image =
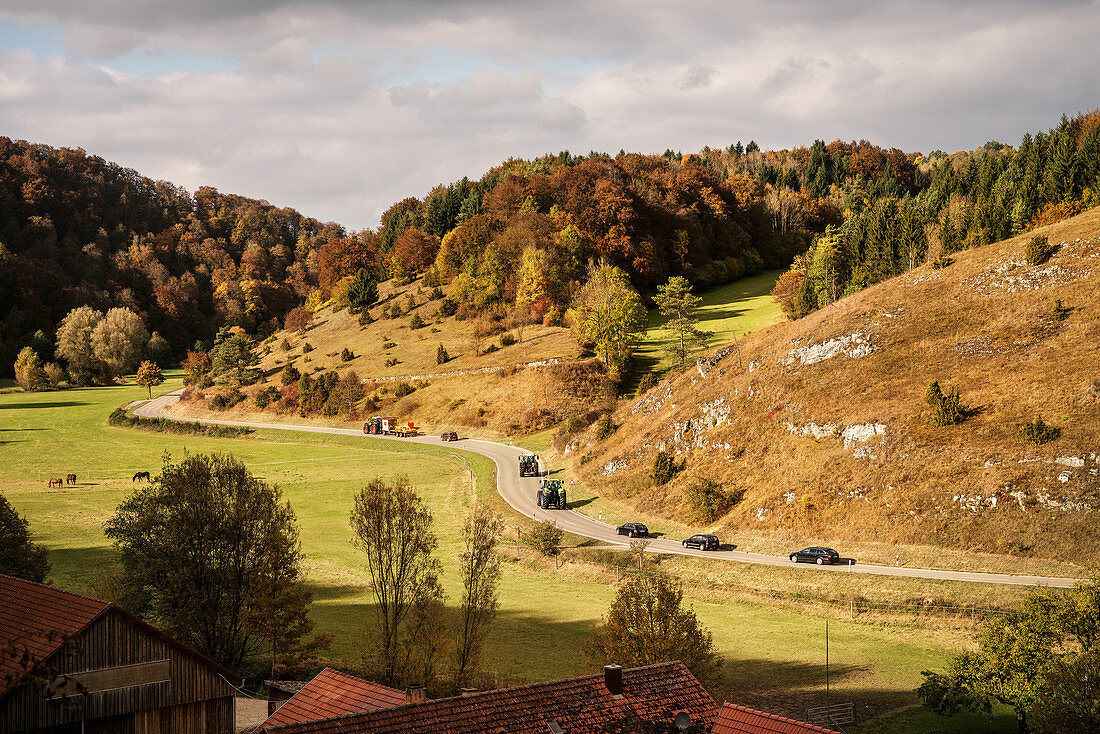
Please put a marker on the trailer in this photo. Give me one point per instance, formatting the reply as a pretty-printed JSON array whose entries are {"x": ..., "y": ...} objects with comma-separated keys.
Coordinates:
[{"x": 384, "y": 425}]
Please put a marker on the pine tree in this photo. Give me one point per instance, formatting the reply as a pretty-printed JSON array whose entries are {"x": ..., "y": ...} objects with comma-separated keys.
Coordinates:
[
  {"x": 362, "y": 292},
  {"x": 675, "y": 299}
]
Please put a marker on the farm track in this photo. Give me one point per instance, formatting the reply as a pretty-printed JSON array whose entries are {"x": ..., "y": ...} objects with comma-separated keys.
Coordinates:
[{"x": 519, "y": 493}]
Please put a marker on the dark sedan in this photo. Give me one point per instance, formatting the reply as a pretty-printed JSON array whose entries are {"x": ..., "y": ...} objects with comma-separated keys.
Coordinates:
[
  {"x": 820, "y": 556},
  {"x": 701, "y": 542},
  {"x": 633, "y": 529},
  {"x": 449, "y": 436}
]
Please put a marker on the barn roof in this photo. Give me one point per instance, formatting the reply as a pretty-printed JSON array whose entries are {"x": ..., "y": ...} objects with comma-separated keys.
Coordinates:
[
  {"x": 36, "y": 620},
  {"x": 579, "y": 705},
  {"x": 332, "y": 693},
  {"x": 734, "y": 719}
]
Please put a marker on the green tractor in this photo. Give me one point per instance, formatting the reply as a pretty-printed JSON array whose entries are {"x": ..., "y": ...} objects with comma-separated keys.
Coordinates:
[
  {"x": 551, "y": 495},
  {"x": 529, "y": 465}
]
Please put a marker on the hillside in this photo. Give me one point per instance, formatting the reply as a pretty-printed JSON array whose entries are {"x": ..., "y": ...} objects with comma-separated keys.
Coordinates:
[{"x": 819, "y": 427}]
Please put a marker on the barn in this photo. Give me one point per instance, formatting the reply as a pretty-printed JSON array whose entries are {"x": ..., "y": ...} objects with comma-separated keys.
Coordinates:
[{"x": 73, "y": 664}]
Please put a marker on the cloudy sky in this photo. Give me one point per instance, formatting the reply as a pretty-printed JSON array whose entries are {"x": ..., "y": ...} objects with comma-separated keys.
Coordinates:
[{"x": 340, "y": 107}]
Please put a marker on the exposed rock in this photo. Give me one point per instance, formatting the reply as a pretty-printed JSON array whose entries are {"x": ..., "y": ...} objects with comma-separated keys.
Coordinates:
[{"x": 854, "y": 345}]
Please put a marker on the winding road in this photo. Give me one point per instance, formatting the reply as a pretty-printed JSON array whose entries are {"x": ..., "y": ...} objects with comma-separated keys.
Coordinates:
[{"x": 520, "y": 494}]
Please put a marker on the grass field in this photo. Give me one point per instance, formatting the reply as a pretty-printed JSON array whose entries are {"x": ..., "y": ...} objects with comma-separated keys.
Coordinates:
[
  {"x": 728, "y": 311},
  {"x": 774, "y": 652}
]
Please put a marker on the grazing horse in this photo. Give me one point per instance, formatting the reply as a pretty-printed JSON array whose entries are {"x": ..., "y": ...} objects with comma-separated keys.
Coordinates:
[
  {"x": 70, "y": 479},
  {"x": 141, "y": 475},
  {"x": 58, "y": 481}
]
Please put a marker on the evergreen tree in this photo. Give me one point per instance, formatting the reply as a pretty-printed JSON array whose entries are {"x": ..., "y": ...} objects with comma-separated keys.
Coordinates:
[
  {"x": 363, "y": 291},
  {"x": 675, "y": 300}
]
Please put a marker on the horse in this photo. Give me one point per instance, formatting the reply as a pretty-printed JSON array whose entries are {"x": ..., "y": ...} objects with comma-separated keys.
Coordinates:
[
  {"x": 58, "y": 481},
  {"x": 70, "y": 479},
  {"x": 141, "y": 475}
]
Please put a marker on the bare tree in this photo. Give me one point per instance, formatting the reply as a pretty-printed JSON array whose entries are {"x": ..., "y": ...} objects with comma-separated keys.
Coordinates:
[
  {"x": 394, "y": 530},
  {"x": 480, "y": 571}
]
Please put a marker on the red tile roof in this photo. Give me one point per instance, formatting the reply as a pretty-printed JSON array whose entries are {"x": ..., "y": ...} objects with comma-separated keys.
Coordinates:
[
  {"x": 734, "y": 719},
  {"x": 332, "y": 693},
  {"x": 36, "y": 620},
  {"x": 579, "y": 705}
]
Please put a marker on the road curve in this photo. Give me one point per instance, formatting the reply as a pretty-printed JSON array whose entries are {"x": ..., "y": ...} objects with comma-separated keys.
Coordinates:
[{"x": 520, "y": 494}]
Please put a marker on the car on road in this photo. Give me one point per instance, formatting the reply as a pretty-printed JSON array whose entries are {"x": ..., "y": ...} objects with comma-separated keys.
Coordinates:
[
  {"x": 701, "y": 542},
  {"x": 449, "y": 436},
  {"x": 633, "y": 529},
  {"x": 820, "y": 556}
]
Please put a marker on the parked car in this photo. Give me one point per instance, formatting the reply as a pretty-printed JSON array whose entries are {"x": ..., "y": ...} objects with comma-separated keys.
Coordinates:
[
  {"x": 820, "y": 556},
  {"x": 449, "y": 436},
  {"x": 702, "y": 542},
  {"x": 633, "y": 529}
]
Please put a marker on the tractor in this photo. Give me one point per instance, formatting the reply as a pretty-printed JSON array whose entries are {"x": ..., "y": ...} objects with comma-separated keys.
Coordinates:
[
  {"x": 551, "y": 495},
  {"x": 529, "y": 465}
]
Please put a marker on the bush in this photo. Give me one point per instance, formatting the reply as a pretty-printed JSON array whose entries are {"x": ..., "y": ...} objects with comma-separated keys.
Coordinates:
[
  {"x": 436, "y": 293},
  {"x": 388, "y": 345},
  {"x": 490, "y": 349},
  {"x": 1038, "y": 250},
  {"x": 664, "y": 467},
  {"x": 1060, "y": 312},
  {"x": 709, "y": 501},
  {"x": 395, "y": 311},
  {"x": 455, "y": 404},
  {"x": 290, "y": 374},
  {"x": 365, "y": 318},
  {"x": 346, "y": 355},
  {"x": 307, "y": 348},
  {"x": 942, "y": 262},
  {"x": 285, "y": 345},
  {"x": 507, "y": 339},
  {"x": 267, "y": 396},
  {"x": 416, "y": 322},
  {"x": 572, "y": 424},
  {"x": 948, "y": 407},
  {"x": 604, "y": 428},
  {"x": 403, "y": 389},
  {"x": 392, "y": 362},
  {"x": 648, "y": 382},
  {"x": 441, "y": 356},
  {"x": 447, "y": 307},
  {"x": 165, "y": 425},
  {"x": 545, "y": 538},
  {"x": 297, "y": 319},
  {"x": 1037, "y": 432}
]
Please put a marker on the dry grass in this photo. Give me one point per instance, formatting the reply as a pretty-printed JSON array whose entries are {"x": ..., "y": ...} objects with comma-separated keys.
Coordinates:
[{"x": 980, "y": 325}]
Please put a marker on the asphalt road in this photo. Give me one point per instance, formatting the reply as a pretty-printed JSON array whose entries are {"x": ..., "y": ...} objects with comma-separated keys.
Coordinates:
[{"x": 520, "y": 494}]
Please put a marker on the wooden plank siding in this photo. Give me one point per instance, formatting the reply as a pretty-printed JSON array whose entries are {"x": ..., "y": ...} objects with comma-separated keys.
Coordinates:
[{"x": 191, "y": 697}]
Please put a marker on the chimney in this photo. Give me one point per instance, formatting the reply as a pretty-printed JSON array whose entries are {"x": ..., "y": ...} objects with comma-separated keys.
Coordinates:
[
  {"x": 467, "y": 691},
  {"x": 613, "y": 680},
  {"x": 416, "y": 694}
]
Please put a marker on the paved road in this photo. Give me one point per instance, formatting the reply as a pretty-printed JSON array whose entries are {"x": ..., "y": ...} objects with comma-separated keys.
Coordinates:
[{"x": 520, "y": 494}]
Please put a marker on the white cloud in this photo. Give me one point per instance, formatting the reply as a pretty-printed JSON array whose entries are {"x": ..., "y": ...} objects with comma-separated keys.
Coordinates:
[{"x": 341, "y": 108}]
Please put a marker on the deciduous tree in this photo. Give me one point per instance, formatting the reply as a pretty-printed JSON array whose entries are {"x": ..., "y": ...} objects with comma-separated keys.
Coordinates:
[
  {"x": 118, "y": 341},
  {"x": 149, "y": 376},
  {"x": 74, "y": 344},
  {"x": 647, "y": 623},
  {"x": 480, "y": 573},
  {"x": 393, "y": 529},
  {"x": 19, "y": 555},
  {"x": 610, "y": 315},
  {"x": 204, "y": 547},
  {"x": 29, "y": 372}
]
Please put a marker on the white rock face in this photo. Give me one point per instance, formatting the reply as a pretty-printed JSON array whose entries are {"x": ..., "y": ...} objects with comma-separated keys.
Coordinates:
[
  {"x": 855, "y": 345},
  {"x": 1073, "y": 461},
  {"x": 851, "y": 435}
]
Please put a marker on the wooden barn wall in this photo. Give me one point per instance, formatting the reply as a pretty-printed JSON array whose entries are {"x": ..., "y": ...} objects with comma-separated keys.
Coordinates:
[{"x": 194, "y": 699}]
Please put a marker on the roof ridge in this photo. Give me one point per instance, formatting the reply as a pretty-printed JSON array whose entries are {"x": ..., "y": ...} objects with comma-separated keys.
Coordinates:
[
  {"x": 48, "y": 587},
  {"x": 776, "y": 717}
]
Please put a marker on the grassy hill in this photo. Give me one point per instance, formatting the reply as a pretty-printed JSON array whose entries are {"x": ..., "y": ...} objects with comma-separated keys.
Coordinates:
[{"x": 818, "y": 431}]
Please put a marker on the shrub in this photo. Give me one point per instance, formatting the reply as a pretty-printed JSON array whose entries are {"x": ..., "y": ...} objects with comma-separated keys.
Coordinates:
[
  {"x": 545, "y": 538},
  {"x": 1037, "y": 432},
  {"x": 604, "y": 428},
  {"x": 490, "y": 349},
  {"x": 346, "y": 355},
  {"x": 1060, "y": 312},
  {"x": 297, "y": 319},
  {"x": 1038, "y": 250},
  {"x": 441, "y": 356},
  {"x": 290, "y": 374},
  {"x": 223, "y": 401},
  {"x": 403, "y": 389},
  {"x": 942, "y": 262},
  {"x": 267, "y": 396},
  {"x": 392, "y": 362},
  {"x": 307, "y": 348},
  {"x": 455, "y": 404},
  {"x": 447, "y": 307},
  {"x": 388, "y": 345},
  {"x": 507, "y": 339},
  {"x": 948, "y": 407},
  {"x": 395, "y": 311},
  {"x": 709, "y": 501},
  {"x": 285, "y": 345},
  {"x": 648, "y": 382},
  {"x": 436, "y": 293},
  {"x": 572, "y": 424},
  {"x": 664, "y": 467},
  {"x": 416, "y": 322},
  {"x": 365, "y": 318},
  {"x": 55, "y": 373}
]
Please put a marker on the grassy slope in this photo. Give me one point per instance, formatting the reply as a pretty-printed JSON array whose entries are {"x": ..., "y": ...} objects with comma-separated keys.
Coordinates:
[
  {"x": 998, "y": 348},
  {"x": 729, "y": 311},
  {"x": 773, "y": 651}
]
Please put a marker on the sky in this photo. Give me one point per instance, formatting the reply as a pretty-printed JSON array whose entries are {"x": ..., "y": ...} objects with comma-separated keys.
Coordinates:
[{"x": 339, "y": 108}]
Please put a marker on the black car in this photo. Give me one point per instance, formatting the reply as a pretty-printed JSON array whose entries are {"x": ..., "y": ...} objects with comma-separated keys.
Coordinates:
[
  {"x": 633, "y": 529},
  {"x": 702, "y": 542},
  {"x": 449, "y": 436},
  {"x": 820, "y": 556}
]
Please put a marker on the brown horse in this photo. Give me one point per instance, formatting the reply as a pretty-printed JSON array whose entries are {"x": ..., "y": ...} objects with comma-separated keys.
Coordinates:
[
  {"x": 141, "y": 475},
  {"x": 58, "y": 481},
  {"x": 70, "y": 479}
]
